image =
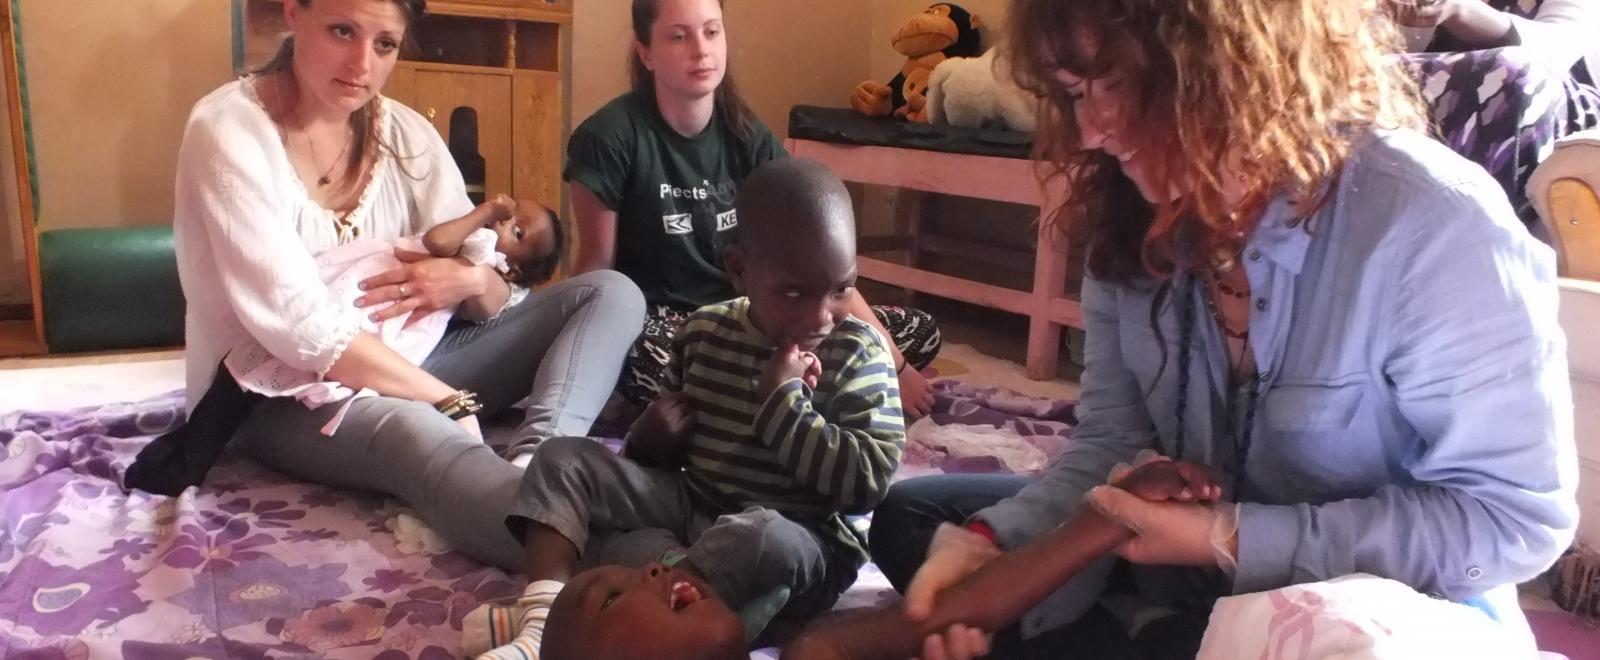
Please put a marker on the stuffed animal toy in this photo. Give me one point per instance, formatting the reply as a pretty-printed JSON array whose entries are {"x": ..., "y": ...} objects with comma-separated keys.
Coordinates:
[
  {"x": 941, "y": 31},
  {"x": 979, "y": 92}
]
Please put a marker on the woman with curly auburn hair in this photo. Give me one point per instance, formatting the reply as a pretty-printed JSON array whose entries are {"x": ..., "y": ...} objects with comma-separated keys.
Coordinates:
[{"x": 1292, "y": 285}]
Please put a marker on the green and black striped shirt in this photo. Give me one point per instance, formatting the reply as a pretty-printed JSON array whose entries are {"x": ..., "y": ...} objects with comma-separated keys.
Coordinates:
[{"x": 810, "y": 455}]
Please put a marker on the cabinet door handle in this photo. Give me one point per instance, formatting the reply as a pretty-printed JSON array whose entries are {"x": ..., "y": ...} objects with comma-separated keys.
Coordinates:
[{"x": 432, "y": 112}]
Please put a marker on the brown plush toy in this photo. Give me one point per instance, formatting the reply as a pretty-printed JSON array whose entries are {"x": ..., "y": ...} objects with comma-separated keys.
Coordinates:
[{"x": 941, "y": 31}]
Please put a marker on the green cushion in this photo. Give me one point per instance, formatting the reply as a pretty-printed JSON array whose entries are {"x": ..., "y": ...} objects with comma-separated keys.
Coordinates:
[{"x": 107, "y": 289}]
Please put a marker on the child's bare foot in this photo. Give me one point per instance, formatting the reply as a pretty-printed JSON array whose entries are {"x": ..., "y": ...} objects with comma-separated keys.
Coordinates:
[{"x": 1163, "y": 480}]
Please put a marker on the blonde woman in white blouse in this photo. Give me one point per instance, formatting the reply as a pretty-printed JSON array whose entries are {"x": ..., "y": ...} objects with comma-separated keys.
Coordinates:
[{"x": 305, "y": 156}]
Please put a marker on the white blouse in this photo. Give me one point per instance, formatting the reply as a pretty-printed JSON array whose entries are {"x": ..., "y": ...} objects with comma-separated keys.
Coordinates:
[{"x": 246, "y": 230}]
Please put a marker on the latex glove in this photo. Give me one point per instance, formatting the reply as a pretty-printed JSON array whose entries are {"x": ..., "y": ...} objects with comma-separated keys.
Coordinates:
[
  {"x": 1203, "y": 484},
  {"x": 1172, "y": 533},
  {"x": 953, "y": 554},
  {"x": 1143, "y": 458},
  {"x": 959, "y": 642}
]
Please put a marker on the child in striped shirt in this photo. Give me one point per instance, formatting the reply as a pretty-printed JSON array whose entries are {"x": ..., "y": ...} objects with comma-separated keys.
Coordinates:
[{"x": 781, "y": 414}]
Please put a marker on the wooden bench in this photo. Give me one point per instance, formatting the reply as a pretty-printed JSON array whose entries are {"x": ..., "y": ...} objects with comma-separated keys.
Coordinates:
[{"x": 983, "y": 177}]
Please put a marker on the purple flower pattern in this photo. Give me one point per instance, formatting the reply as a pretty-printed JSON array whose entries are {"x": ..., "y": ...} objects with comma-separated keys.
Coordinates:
[
  {"x": 263, "y": 514},
  {"x": 66, "y": 600},
  {"x": 260, "y": 589},
  {"x": 246, "y": 567},
  {"x": 252, "y": 568},
  {"x": 387, "y": 580},
  {"x": 195, "y": 548}
]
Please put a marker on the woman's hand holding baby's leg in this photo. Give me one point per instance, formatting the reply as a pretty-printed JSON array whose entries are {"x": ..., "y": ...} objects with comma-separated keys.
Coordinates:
[{"x": 1176, "y": 513}]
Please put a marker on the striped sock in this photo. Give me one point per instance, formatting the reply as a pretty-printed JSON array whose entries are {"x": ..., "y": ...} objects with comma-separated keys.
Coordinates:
[
  {"x": 488, "y": 626},
  {"x": 510, "y": 632}
]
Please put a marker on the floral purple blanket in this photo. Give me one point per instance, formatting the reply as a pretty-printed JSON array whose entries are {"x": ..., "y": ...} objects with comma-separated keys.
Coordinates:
[
  {"x": 254, "y": 565},
  {"x": 251, "y": 566}
]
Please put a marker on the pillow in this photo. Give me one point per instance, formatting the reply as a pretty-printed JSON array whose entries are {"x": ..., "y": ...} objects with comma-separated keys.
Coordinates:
[{"x": 1356, "y": 617}]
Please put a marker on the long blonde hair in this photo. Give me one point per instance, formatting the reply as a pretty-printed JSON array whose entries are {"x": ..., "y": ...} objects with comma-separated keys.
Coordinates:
[{"x": 1269, "y": 93}]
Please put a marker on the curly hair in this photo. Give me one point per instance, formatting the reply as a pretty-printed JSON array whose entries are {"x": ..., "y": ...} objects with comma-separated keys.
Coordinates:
[{"x": 1240, "y": 99}]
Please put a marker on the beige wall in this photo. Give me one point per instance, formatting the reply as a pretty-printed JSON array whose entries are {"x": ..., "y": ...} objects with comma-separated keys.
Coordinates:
[
  {"x": 111, "y": 83},
  {"x": 600, "y": 39},
  {"x": 779, "y": 55}
]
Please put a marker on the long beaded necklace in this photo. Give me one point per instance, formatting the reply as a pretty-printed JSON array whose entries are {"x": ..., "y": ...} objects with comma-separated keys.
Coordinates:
[
  {"x": 1241, "y": 437},
  {"x": 1223, "y": 288}
]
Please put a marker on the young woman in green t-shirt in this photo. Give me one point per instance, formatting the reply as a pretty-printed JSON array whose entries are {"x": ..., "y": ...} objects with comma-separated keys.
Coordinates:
[{"x": 653, "y": 176}]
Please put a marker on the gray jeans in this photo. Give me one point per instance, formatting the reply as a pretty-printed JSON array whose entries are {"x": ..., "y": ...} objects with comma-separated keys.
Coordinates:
[
  {"x": 562, "y": 348},
  {"x": 631, "y": 515}
]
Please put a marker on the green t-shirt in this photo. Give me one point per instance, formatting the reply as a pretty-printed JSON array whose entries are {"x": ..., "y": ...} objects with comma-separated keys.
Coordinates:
[{"x": 673, "y": 195}]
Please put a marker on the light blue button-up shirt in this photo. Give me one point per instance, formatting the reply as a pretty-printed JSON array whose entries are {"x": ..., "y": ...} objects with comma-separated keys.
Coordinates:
[{"x": 1415, "y": 416}]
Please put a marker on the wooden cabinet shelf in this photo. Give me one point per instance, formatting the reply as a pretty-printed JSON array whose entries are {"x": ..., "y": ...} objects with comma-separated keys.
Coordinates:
[
  {"x": 486, "y": 73},
  {"x": 20, "y": 337}
]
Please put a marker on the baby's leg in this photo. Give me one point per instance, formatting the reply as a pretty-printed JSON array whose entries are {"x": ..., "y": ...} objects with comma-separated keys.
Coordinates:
[
  {"x": 635, "y": 549},
  {"x": 763, "y": 563},
  {"x": 575, "y": 485}
]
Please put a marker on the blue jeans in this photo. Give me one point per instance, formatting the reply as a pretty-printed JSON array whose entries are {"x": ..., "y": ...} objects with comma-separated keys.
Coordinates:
[{"x": 561, "y": 348}]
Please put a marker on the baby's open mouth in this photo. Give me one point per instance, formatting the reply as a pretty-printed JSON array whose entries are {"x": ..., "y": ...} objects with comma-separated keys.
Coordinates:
[{"x": 684, "y": 594}]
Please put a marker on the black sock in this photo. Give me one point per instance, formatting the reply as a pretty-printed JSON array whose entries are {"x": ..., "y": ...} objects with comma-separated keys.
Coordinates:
[{"x": 181, "y": 458}]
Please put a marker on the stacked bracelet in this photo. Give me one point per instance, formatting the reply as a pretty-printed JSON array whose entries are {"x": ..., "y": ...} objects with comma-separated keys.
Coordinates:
[{"x": 461, "y": 403}]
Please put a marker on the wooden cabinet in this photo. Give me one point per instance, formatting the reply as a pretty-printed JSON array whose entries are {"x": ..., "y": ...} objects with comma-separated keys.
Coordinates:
[
  {"x": 19, "y": 336},
  {"x": 486, "y": 73},
  {"x": 473, "y": 111}
]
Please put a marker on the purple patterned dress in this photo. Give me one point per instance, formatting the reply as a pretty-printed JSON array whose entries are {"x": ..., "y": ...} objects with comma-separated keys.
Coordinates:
[{"x": 1504, "y": 108}]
